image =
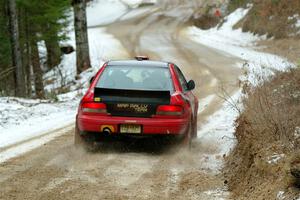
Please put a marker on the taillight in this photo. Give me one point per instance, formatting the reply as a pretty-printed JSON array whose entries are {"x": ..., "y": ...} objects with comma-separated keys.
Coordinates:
[
  {"x": 170, "y": 110},
  {"x": 91, "y": 107}
]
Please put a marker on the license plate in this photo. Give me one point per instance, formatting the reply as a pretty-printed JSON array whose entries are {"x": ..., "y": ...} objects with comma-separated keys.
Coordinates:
[{"x": 130, "y": 128}]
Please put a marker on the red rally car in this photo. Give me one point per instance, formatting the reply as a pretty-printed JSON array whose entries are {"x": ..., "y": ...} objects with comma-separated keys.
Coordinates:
[{"x": 137, "y": 97}]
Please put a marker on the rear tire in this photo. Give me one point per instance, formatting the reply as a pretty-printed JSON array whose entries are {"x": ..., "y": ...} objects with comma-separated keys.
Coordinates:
[
  {"x": 88, "y": 143},
  {"x": 78, "y": 140}
]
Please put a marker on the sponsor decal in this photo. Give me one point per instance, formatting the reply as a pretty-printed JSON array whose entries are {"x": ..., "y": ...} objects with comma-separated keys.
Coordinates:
[{"x": 140, "y": 108}]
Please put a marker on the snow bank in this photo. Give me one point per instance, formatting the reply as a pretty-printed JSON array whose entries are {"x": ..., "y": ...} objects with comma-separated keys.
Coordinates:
[
  {"x": 218, "y": 132},
  {"x": 22, "y": 119}
]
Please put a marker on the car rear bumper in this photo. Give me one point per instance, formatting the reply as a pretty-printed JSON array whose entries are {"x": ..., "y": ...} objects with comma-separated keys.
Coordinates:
[{"x": 150, "y": 126}]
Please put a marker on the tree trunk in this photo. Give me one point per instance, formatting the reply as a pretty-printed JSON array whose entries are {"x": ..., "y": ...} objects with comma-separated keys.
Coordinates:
[
  {"x": 27, "y": 56},
  {"x": 81, "y": 35},
  {"x": 38, "y": 73},
  {"x": 53, "y": 53},
  {"x": 16, "y": 51},
  {"x": 25, "y": 48}
]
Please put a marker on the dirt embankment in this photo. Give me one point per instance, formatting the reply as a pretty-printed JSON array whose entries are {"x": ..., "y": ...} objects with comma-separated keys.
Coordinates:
[
  {"x": 275, "y": 18},
  {"x": 268, "y": 141},
  {"x": 265, "y": 163}
]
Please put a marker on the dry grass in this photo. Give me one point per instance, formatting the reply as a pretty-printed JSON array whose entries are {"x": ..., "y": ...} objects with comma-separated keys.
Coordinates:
[
  {"x": 288, "y": 48},
  {"x": 271, "y": 17},
  {"x": 266, "y": 131},
  {"x": 234, "y": 4},
  {"x": 206, "y": 21}
]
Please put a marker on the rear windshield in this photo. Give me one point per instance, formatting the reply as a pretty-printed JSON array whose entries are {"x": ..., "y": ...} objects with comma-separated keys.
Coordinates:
[{"x": 136, "y": 78}]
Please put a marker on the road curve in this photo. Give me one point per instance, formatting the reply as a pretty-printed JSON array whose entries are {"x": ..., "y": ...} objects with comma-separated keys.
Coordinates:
[
  {"x": 161, "y": 36},
  {"x": 141, "y": 170}
]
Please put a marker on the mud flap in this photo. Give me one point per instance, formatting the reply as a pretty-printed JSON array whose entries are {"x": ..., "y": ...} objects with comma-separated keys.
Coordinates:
[
  {"x": 187, "y": 140},
  {"x": 78, "y": 141}
]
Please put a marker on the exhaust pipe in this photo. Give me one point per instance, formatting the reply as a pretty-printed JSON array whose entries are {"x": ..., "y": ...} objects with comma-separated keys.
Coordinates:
[{"x": 106, "y": 131}]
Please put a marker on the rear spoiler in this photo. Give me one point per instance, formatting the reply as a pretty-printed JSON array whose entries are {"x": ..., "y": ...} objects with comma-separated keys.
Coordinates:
[{"x": 132, "y": 96}]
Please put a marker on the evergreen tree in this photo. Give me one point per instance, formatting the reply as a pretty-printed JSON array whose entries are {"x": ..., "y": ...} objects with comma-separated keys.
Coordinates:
[
  {"x": 37, "y": 21},
  {"x": 44, "y": 21},
  {"x": 48, "y": 19}
]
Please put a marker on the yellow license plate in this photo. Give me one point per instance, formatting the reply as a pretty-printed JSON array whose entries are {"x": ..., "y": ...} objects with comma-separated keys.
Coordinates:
[{"x": 130, "y": 128}]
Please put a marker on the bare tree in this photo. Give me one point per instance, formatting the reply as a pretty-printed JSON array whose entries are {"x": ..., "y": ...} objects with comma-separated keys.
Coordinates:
[
  {"x": 16, "y": 51},
  {"x": 81, "y": 35}
]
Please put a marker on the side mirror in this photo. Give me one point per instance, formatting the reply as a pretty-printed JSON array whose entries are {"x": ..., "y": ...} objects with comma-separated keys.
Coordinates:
[
  {"x": 191, "y": 85},
  {"x": 91, "y": 80}
]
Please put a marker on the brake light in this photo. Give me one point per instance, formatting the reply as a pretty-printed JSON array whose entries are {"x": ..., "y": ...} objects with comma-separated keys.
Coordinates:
[
  {"x": 169, "y": 110},
  {"x": 92, "y": 107}
]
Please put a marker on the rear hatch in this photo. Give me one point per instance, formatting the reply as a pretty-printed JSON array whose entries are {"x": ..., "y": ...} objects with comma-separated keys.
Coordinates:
[{"x": 131, "y": 103}]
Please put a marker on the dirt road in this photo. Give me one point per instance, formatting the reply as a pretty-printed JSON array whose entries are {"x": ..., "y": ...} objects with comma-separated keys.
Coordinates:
[
  {"x": 126, "y": 170},
  {"x": 161, "y": 35}
]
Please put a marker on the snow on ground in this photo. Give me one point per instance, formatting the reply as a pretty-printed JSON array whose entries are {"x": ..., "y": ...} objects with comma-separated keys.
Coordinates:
[
  {"x": 295, "y": 18},
  {"x": 24, "y": 119},
  {"x": 218, "y": 131},
  {"x": 203, "y": 103},
  {"x": 241, "y": 45},
  {"x": 298, "y": 23},
  {"x": 112, "y": 10},
  {"x": 32, "y": 144},
  {"x": 217, "y": 194},
  {"x": 280, "y": 195},
  {"x": 101, "y": 12},
  {"x": 102, "y": 46},
  {"x": 137, "y": 12}
]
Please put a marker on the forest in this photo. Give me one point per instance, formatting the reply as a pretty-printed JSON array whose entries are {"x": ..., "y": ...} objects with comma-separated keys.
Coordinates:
[{"x": 32, "y": 33}]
